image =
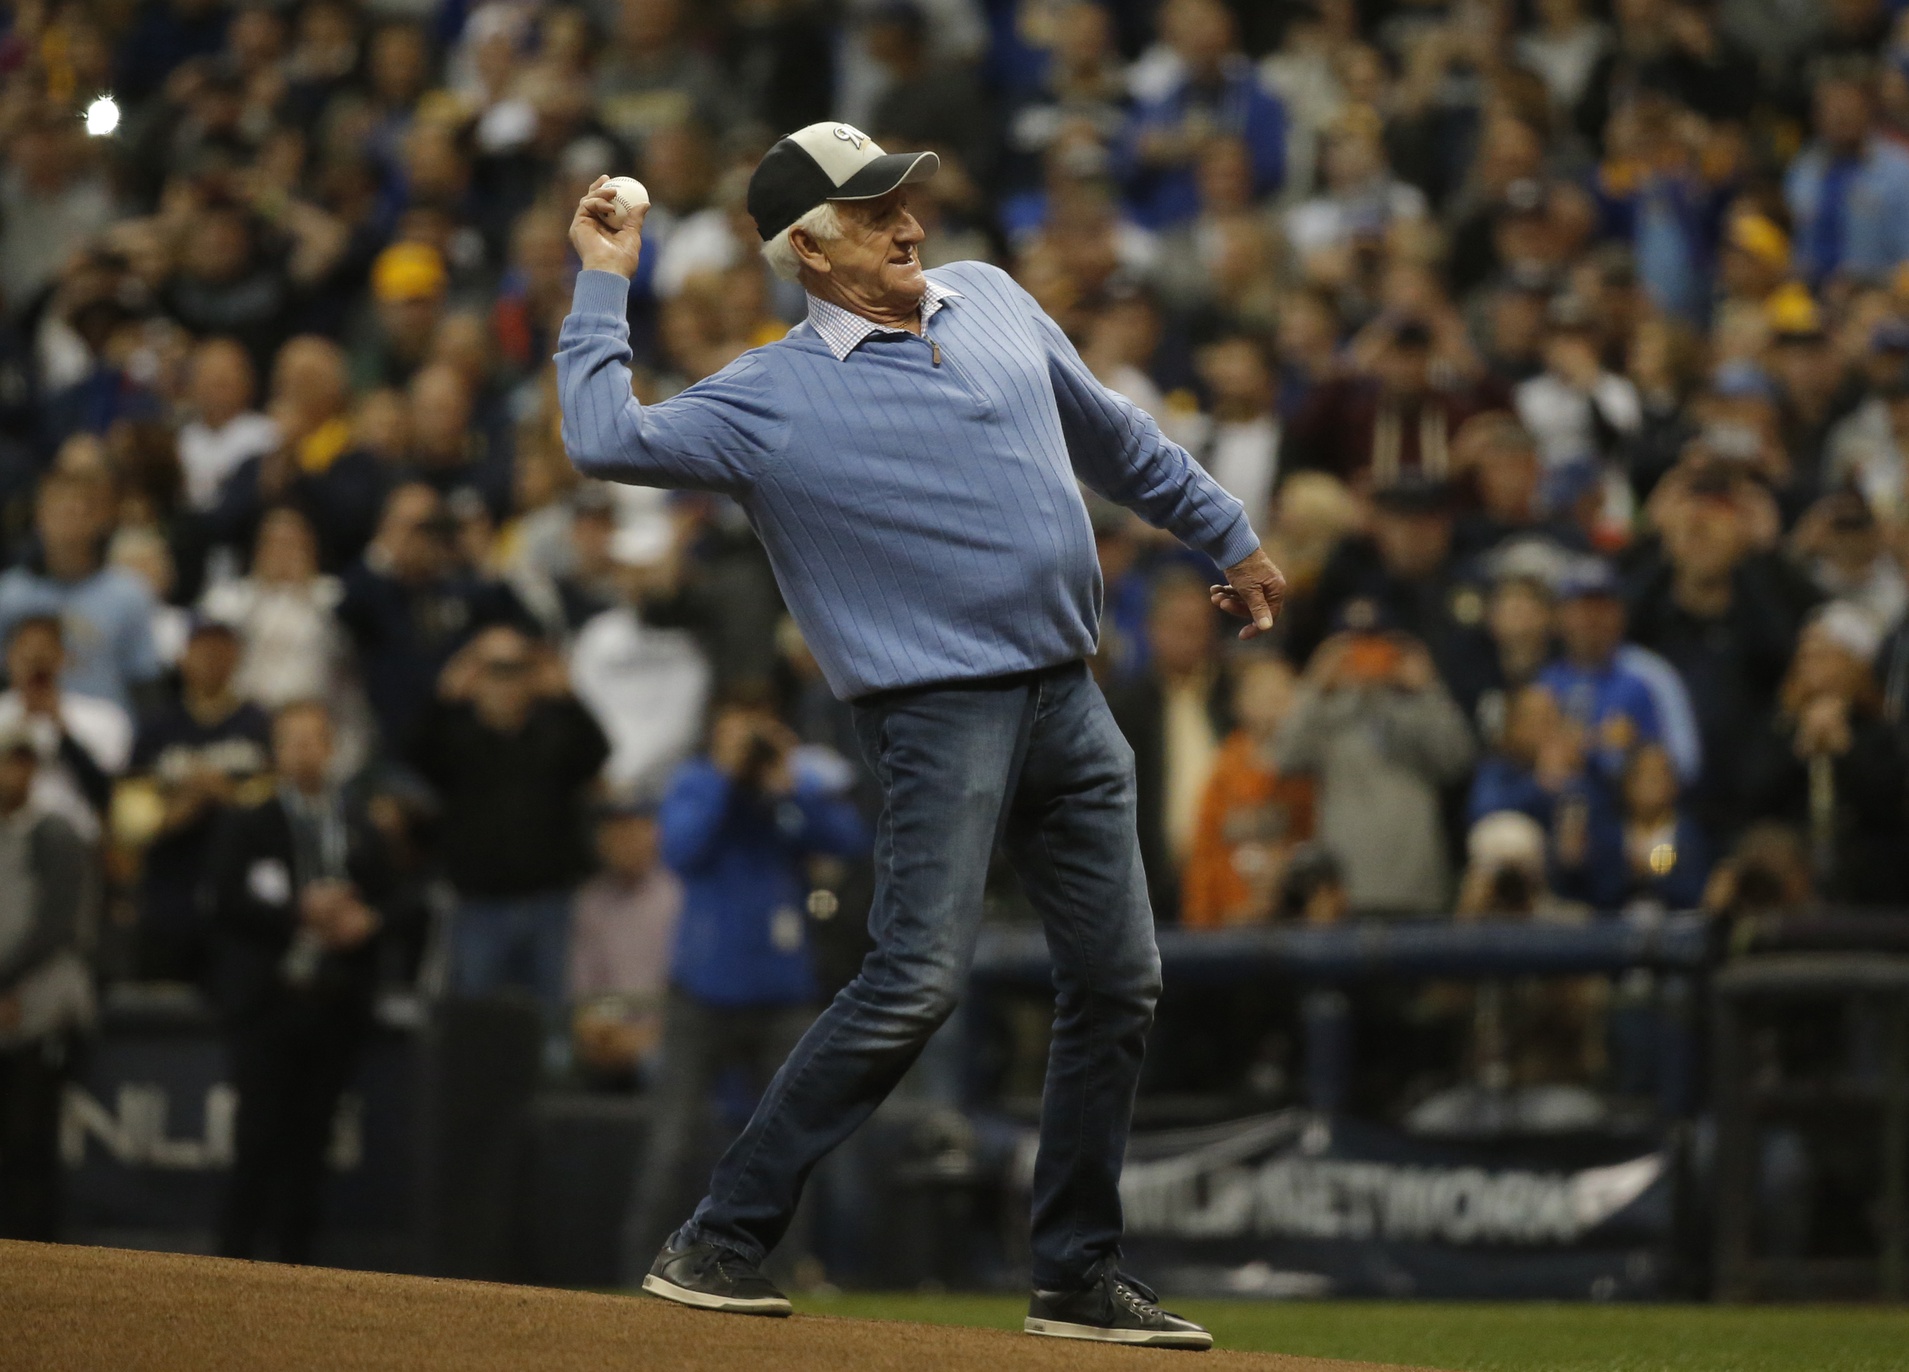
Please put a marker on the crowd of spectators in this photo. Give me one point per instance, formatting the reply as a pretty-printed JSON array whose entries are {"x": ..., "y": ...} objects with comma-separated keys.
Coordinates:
[{"x": 1558, "y": 353}]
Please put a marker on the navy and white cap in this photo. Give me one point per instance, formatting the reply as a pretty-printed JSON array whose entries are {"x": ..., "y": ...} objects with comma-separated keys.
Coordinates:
[{"x": 827, "y": 161}]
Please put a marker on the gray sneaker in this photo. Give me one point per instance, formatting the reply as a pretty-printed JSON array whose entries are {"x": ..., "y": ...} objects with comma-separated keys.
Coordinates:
[
  {"x": 710, "y": 1277},
  {"x": 1115, "y": 1309}
]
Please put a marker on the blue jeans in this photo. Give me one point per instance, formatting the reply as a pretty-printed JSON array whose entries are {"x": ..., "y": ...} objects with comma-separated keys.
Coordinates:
[
  {"x": 513, "y": 941},
  {"x": 1036, "y": 763}
]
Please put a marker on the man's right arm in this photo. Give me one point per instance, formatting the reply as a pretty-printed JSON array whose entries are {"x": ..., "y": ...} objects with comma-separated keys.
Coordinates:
[{"x": 712, "y": 437}]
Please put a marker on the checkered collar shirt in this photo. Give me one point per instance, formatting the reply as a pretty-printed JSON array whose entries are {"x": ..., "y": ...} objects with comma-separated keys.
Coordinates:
[{"x": 844, "y": 332}]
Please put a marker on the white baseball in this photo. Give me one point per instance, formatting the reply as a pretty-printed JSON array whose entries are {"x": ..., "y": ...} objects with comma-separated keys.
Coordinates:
[{"x": 629, "y": 195}]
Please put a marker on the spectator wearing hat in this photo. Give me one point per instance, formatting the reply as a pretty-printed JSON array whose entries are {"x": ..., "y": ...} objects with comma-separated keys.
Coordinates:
[
  {"x": 409, "y": 282},
  {"x": 317, "y": 466},
  {"x": 107, "y": 611},
  {"x": 1839, "y": 543},
  {"x": 621, "y": 927},
  {"x": 1813, "y": 392},
  {"x": 1622, "y": 695},
  {"x": 194, "y": 755},
  {"x": 1381, "y": 738},
  {"x": 296, "y": 885},
  {"x": 1827, "y": 762},
  {"x": 1251, "y": 817},
  {"x": 1175, "y": 715},
  {"x": 1575, "y": 409},
  {"x": 1723, "y": 613},
  {"x": 1404, "y": 567},
  {"x": 1210, "y": 90},
  {"x": 1869, "y": 449},
  {"x": 1511, "y": 644},
  {"x": 1753, "y": 260},
  {"x": 1516, "y": 497},
  {"x": 1848, "y": 190},
  {"x": 47, "y": 885}
]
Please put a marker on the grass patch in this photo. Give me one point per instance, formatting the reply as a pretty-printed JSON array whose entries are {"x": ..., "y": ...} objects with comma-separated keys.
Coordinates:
[{"x": 1508, "y": 1337}]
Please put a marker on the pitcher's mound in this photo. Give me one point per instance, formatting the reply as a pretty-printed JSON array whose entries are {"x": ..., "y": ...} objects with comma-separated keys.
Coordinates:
[{"x": 74, "y": 1309}]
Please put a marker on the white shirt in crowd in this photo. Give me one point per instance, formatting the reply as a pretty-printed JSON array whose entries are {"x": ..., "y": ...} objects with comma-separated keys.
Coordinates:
[
  {"x": 101, "y": 727},
  {"x": 207, "y": 456},
  {"x": 1563, "y": 419},
  {"x": 647, "y": 687}
]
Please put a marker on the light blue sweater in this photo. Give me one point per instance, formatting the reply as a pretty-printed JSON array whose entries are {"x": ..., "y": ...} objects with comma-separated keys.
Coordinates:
[{"x": 921, "y": 515}]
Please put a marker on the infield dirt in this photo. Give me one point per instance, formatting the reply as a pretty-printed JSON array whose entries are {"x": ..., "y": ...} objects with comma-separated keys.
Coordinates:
[{"x": 83, "y": 1309}]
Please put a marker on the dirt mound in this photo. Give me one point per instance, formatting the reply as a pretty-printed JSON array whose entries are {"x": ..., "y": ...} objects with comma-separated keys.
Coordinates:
[{"x": 81, "y": 1309}]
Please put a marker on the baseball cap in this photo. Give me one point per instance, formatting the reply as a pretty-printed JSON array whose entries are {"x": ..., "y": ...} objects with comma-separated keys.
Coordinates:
[
  {"x": 1759, "y": 236},
  {"x": 827, "y": 161},
  {"x": 408, "y": 271},
  {"x": 1587, "y": 577},
  {"x": 1413, "y": 492}
]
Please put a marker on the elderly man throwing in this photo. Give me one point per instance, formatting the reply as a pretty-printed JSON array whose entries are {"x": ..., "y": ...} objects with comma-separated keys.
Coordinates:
[{"x": 909, "y": 457}]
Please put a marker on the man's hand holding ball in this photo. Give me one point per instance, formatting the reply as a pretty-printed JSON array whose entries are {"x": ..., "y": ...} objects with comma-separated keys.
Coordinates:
[{"x": 607, "y": 231}]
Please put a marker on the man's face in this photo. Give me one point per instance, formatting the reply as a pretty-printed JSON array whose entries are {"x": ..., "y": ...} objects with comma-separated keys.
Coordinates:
[
  {"x": 505, "y": 685},
  {"x": 1412, "y": 544},
  {"x": 1591, "y": 626},
  {"x": 208, "y": 662},
  {"x": 1180, "y": 632},
  {"x": 413, "y": 535},
  {"x": 68, "y": 518},
  {"x": 35, "y": 657},
  {"x": 1709, "y": 537},
  {"x": 301, "y": 746},
  {"x": 1842, "y": 114},
  {"x": 875, "y": 258}
]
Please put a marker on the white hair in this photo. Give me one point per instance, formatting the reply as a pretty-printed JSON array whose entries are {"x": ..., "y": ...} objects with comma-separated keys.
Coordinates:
[{"x": 822, "y": 223}]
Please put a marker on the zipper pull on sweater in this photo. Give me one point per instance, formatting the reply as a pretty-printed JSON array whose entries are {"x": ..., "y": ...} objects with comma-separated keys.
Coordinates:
[{"x": 934, "y": 351}]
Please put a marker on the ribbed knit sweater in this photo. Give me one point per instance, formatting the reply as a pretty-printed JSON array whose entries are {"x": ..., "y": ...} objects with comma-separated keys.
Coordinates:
[{"x": 918, "y": 497}]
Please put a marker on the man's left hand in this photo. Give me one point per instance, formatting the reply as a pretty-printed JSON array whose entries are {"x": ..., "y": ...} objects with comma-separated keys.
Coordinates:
[{"x": 1255, "y": 593}]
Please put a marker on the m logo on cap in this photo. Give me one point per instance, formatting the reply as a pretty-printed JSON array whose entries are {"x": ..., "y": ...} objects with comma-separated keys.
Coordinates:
[{"x": 848, "y": 133}]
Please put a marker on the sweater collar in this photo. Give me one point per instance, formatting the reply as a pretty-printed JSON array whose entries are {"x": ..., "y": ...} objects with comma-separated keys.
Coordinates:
[{"x": 844, "y": 331}]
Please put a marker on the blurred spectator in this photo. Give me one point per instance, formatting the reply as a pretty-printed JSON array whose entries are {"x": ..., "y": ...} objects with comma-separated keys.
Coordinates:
[
  {"x": 225, "y": 430},
  {"x": 1251, "y": 817},
  {"x": 197, "y": 753},
  {"x": 295, "y": 884},
  {"x": 1500, "y": 459},
  {"x": 1314, "y": 889},
  {"x": 107, "y": 611},
  {"x": 1575, "y": 409},
  {"x": 446, "y": 454},
  {"x": 652, "y": 78},
  {"x": 1624, "y": 696},
  {"x": 1827, "y": 763},
  {"x": 1175, "y": 715},
  {"x": 1380, "y": 736},
  {"x": 1368, "y": 429},
  {"x": 1402, "y": 568},
  {"x": 1848, "y": 190},
  {"x": 1361, "y": 199},
  {"x": 1497, "y": 661},
  {"x": 1239, "y": 440},
  {"x": 1196, "y": 86},
  {"x": 292, "y": 646},
  {"x": 737, "y": 825},
  {"x": 82, "y": 741},
  {"x": 1842, "y": 547},
  {"x": 512, "y": 755},
  {"x": 1666, "y": 853},
  {"x": 621, "y": 928},
  {"x": 1723, "y": 614},
  {"x": 1506, "y": 873},
  {"x": 47, "y": 886},
  {"x": 407, "y": 609},
  {"x": 646, "y": 684},
  {"x": 51, "y": 200},
  {"x": 408, "y": 286},
  {"x": 928, "y": 103},
  {"x": 316, "y": 466}
]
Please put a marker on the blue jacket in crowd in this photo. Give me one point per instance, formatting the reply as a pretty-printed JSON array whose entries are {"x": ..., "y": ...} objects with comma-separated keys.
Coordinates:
[{"x": 742, "y": 939}]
